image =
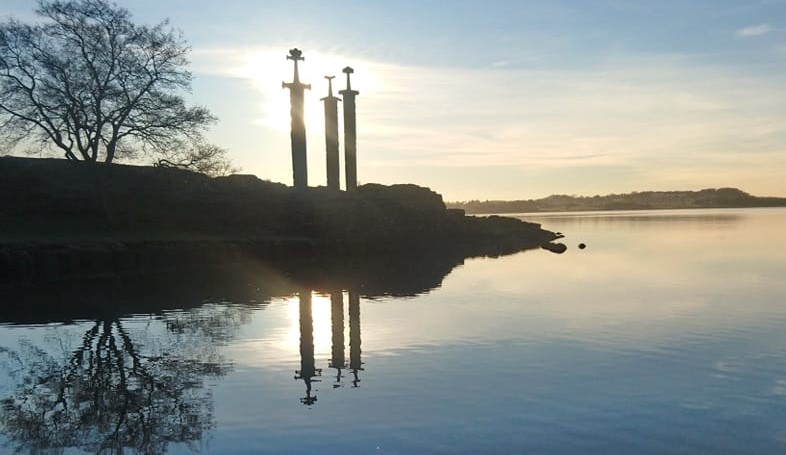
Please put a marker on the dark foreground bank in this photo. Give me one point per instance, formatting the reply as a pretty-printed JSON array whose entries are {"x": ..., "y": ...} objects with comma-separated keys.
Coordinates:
[{"x": 60, "y": 219}]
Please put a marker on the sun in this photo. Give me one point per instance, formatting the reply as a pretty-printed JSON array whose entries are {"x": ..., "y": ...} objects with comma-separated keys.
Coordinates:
[{"x": 267, "y": 69}]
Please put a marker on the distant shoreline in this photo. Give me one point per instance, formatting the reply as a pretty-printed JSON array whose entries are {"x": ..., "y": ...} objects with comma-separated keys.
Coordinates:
[
  {"x": 622, "y": 212},
  {"x": 647, "y": 200}
]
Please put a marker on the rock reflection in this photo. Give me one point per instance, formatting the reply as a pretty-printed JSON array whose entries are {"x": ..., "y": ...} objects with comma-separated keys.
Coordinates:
[{"x": 144, "y": 388}]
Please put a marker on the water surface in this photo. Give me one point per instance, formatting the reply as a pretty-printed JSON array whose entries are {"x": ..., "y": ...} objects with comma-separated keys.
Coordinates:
[{"x": 665, "y": 335}]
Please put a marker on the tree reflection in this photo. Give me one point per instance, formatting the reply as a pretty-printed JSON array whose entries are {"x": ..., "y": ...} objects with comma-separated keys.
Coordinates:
[
  {"x": 109, "y": 395},
  {"x": 112, "y": 389}
]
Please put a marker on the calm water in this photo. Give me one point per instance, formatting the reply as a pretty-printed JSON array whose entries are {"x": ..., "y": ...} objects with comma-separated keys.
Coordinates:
[{"x": 666, "y": 335}]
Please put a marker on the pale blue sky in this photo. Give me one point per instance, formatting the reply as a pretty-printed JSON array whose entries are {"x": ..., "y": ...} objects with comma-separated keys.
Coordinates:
[{"x": 503, "y": 99}]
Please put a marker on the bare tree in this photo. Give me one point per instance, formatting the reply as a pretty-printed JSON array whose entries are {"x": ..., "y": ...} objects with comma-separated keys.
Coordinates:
[
  {"x": 89, "y": 82},
  {"x": 201, "y": 157}
]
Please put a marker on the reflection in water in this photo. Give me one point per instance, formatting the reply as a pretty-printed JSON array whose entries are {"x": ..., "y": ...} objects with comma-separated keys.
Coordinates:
[
  {"x": 337, "y": 359},
  {"x": 639, "y": 218},
  {"x": 698, "y": 308},
  {"x": 308, "y": 370},
  {"x": 109, "y": 395},
  {"x": 355, "y": 363},
  {"x": 248, "y": 281},
  {"x": 143, "y": 389}
]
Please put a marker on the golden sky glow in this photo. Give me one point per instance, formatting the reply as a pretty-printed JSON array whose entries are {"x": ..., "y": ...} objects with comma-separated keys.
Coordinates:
[
  {"x": 620, "y": 127},
  {"x": 514, "y": 100}
]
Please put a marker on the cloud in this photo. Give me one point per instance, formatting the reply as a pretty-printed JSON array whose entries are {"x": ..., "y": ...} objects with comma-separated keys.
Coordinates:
[
  {"x": 655, "y": 115},
  {"x": 754, "y": 30}
]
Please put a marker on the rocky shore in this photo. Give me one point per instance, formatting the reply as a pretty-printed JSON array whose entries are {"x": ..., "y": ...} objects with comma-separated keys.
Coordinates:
[{"x": 60, "y": 220}]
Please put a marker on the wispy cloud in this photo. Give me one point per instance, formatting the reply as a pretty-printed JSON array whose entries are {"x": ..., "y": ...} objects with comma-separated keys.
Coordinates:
[
  {"x": 754, "y": 30},
  {"x": 659, "y": 116}
]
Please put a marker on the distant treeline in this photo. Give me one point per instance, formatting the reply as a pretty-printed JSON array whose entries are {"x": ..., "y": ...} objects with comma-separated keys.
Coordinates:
[{"x": 646, "y": 200}]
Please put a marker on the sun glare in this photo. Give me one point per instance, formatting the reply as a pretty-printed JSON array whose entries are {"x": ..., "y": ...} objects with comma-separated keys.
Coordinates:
[
  {"x": 269, "y": 68},
  {"x": 320, "y": 313}
]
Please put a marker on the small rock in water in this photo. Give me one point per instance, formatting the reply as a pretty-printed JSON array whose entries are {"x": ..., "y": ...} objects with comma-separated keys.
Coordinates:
[
  {"x": 558, "y": 248},
  {"x": 582, "y": 246}
]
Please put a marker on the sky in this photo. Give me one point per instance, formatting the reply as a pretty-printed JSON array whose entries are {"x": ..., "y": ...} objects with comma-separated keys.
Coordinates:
[{"x": 500, "y": 99}]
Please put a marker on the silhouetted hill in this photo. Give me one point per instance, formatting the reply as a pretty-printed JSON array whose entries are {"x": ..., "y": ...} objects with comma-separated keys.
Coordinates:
[
  {"x": 60, "y": 219},
  {"x": 646, "y": 200}
]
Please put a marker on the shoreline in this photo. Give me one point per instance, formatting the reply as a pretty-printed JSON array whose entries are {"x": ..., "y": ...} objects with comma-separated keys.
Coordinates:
[{"x": 60, "y": 219}]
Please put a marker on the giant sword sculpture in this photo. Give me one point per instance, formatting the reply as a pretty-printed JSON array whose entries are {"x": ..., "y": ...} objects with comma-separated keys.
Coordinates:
[
  {"x": 331, "y": 137},
  {"x": 296, "y": 92},
  {"x": 350, "y": 133}
]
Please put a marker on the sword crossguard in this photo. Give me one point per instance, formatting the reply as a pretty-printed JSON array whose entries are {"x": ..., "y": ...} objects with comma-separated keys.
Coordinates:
[
  {"x": 295, "y": 54},
  {"x": 348, "y": 70},
  {"x": 295, "y": 84},
  {"x": 330, "y": 87}
]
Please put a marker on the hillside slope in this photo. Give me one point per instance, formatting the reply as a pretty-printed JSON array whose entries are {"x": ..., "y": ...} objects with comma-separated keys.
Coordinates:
[{"x": 646, "y": 200}]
